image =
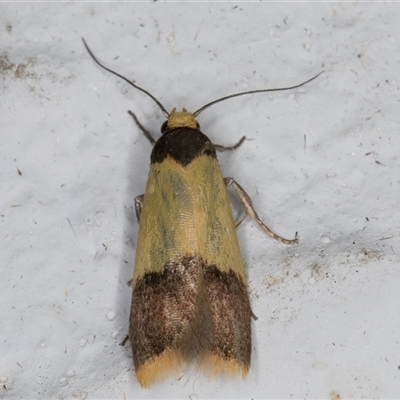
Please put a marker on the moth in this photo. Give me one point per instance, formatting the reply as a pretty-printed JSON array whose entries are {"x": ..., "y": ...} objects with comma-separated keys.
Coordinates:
[{"x": 190, "y": 302}]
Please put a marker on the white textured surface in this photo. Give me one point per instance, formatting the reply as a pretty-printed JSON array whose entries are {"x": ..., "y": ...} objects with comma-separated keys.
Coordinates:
[{"x": 322, "y": 160}]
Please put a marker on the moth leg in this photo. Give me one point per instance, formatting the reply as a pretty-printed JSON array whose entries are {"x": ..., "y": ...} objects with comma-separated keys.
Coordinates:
[
  {"x": 138, "y": 205},
  {"x": 251, "y": 212},
  {"x": 138, "y": 209},
  {"x": 241, "y": 220},
  {"x": 142, "y": 128},
  {"x": 221, "y": 148},
  {"x": 123, "y": 343}
]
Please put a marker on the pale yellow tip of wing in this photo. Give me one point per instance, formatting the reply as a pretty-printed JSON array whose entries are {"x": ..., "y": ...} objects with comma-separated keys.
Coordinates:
[
  {"x": 213, "y": 365},
  {"x": 158, "y": 368}
]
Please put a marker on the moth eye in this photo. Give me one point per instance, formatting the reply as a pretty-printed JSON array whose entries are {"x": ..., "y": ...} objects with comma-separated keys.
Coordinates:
[
  {"x": 198, "y": 125},
  {"x": 164, "y": 127}
]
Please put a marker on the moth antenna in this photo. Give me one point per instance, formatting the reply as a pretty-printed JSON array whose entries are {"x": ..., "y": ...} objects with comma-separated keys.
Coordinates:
[
  {"x": 196, "y": 113},
  {"x": 165, "y": 112}
]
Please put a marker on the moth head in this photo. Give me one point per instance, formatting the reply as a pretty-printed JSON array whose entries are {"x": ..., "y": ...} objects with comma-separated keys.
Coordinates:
[{"x": 180, "y": 119}]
